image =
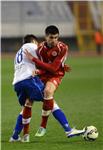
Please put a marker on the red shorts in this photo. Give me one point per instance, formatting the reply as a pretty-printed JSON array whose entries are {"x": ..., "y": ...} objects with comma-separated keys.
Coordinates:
[{"x": 55, "y": 80}]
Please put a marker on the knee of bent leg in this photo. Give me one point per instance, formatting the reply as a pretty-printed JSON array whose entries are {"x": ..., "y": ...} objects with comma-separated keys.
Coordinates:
[
  {"x": 48, "y": 92},
  {"x": 28, "y": 103}
]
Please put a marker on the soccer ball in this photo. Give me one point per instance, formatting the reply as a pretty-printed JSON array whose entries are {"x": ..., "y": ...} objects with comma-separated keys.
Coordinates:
[{"x": 90, "y": 133}]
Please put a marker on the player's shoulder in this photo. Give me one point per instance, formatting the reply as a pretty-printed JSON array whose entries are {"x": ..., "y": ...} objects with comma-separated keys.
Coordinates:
[
  {"x": 62, "y": 45},
  {"x": 41, "y": 46},
  {"x": 30, "y": 45}
]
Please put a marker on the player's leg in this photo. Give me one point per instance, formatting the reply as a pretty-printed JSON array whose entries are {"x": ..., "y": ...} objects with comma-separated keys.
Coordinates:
[
  {"x": 34, "y": 92},
  {"x": 23, "y": 121},
  {"x": 34, "y": 88},
  {"x": 48, "y": 102},
  {"x": 60, "y": 117},
  {"x": 17, "y": 130},
  {"x": 58, "y": 114},
  {"x": 19, "y": 126},
  {"x": 47, "y": 107},
  {"x": 26, "y": 118}
]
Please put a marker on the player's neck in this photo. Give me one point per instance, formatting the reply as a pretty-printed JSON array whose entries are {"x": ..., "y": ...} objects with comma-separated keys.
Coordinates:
[{"x": 49, "y": 45}]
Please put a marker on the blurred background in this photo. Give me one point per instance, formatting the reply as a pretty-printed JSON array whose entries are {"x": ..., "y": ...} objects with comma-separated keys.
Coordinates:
[{"x": 78, "y": 21}]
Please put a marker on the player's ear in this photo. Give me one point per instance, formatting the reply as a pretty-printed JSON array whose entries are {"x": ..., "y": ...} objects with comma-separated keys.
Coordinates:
[
  {"x": 35, "y": 42},
  {"x": 46, "y": 36}
]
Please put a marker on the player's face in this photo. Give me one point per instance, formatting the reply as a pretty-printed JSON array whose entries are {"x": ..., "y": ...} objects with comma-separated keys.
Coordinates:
[{"x": 52, "y": 39}]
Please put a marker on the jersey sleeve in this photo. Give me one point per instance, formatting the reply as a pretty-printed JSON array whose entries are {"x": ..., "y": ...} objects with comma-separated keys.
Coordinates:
[{"x": 55, "y": 65}]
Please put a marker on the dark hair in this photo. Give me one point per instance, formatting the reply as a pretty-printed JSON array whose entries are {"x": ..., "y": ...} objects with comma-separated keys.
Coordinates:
[
  {"x": 29, "y": 38},
  {"x": 51, "y": 30}
]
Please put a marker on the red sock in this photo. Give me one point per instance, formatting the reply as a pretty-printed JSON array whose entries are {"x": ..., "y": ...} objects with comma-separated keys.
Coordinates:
[
  {"x": 26, "y": 119},
  {"x": 47, "y": 107},
  {"x": 44, "y": 121}
]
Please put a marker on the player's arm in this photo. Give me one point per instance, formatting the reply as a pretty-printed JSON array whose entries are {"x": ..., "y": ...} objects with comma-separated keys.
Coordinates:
[{"x": 53, "y": 67}]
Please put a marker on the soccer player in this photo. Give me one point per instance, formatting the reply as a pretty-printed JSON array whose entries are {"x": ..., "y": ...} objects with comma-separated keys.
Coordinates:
[
  {"x": 27, "y": 88},
  {"x": 52, "y": 54}
]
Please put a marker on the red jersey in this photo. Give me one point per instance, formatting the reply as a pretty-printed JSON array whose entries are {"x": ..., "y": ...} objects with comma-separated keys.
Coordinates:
[{"x": 52, "y": 59}]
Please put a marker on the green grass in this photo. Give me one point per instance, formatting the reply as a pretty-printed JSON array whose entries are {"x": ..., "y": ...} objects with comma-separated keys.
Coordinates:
[{"x": 80, "y": 96}]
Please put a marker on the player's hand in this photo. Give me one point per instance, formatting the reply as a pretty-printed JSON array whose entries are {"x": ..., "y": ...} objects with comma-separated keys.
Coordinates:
[
  {"x": 67, "y": 68},
  {"x": 28, "y": 55},
  {"x": 35, "y": 72}
]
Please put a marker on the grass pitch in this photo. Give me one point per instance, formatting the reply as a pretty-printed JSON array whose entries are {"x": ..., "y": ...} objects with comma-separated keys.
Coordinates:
[{"x": 80, "y": 96}]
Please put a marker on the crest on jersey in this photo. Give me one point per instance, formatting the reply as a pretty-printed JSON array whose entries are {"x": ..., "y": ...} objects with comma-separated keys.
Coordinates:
[{"x": 54, "y": 53}]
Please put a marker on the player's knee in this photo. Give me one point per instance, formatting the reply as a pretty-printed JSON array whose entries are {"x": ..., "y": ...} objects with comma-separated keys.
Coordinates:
[
  {"x": 28, "y": 103},
  {"x": 48, "y": 92}
]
